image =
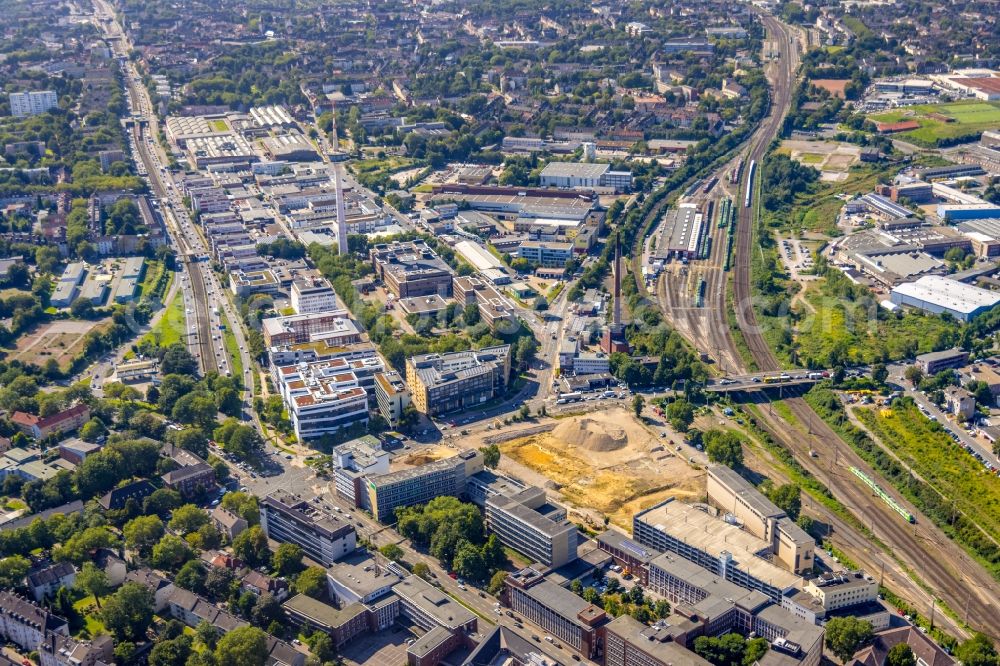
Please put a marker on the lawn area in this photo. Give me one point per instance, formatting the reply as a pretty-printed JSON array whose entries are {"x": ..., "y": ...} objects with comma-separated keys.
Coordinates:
[
  {"x": 923, "y": 446},
  {"x": 969, "y": 118},
  {"x": 232, "y": 348},
  {"x": 219, "y": 125},
  {"x": 812, "y": 158},
  {"x": 172, "y": 326},
  {"x": 153, "y": 270},
  {"x": 13, "y": 504},
  {"x": 816, "y": 210},
  {"x": 88, "y": 610}
]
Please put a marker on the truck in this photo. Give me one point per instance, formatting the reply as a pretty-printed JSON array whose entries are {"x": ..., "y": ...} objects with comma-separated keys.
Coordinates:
[{"x": 571, "y": 397}]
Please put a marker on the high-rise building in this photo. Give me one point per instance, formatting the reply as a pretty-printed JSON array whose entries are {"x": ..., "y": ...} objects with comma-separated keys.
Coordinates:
[
  {"x": 420, "y": 484},
  {"x": 322, "y": 536},
  {"x": 32, "y": 103}
]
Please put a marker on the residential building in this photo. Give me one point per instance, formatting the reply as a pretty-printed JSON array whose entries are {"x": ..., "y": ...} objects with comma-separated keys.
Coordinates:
[
  {"x": 417, "y": 485},
  {"x": 227, "y": 522},
  {"x": 65, "y": 421},
  {"x": 116, "y": 498},
  {"x": 526, "y": 522},
  {"x": 256, "y": 583},
  {"x": 959, "y": 402},
  {"x": 58, "y": 650},
  {"x": 732, "y": 493},
  {"x": 411, "y": 269},
  {"x": 442, "y": 383},
  {"x": 566, "y": 616},
  {"x": 192, "y": 480},
  {"x": 313, "y": 296},
  {"x": 158, "y": 586},
  {"x": 25, "y": 624},
  {"x": 925, "y": 650},
  {"x": 322, "y": 536},
  {"x": 24, "y": 104},
  {"x": 44, "y": 583},
  {"x": 391, "y": 395}
]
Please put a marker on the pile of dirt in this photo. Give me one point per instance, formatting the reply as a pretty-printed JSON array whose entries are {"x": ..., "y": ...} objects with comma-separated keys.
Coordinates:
[{"x": 591, "y": 435}]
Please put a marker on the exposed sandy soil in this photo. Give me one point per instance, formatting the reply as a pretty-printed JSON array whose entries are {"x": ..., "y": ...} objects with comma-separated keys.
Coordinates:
[{"x": 607, "y": 462}]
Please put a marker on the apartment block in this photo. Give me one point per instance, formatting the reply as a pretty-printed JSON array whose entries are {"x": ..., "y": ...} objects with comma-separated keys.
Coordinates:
[
  {"x": 566, "y": 616},
  {"x": 58, "y": 650},
  {"x": 25, "y": 104},
  {"x": 729, "y": 491},
  {"x": 417, "y": 485},
  {"x": 442, "y": 383},
  {"x": 26, "y": 624},
  {"x": 529, "y": 524},
  {"x": 322, "y": 536},
  {"x": 411, "y": 269},
  {"x": 313, "y": 296}
]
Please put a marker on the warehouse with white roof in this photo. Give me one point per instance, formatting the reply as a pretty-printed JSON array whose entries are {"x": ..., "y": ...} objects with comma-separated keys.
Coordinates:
[{"x": 936, "y": 294}]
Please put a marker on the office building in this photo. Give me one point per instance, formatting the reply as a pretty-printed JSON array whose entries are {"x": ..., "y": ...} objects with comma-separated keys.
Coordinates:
[
  {"x": 334, "y": 327},
  {"x": 584, "y": 175},
  {"x": 323, "y": 537},
  {"x": 25, "y": 104},
  {"x": 934, "y": 362},
  {"x": 442, "y": 383},
  {"x": 353, "y": 461},
  {"x": 526, "y": 522},
  {"x": 632, "y": 643},
  {"x": 321, "y": 398},
  {"x": 341, "y": 624},
  {"x": 313, "y": 296},
  {"x": 418, "y": 485},
  {"x": 725, "y": 549},
  {"x": 634, "y": 558},
  {"x": 411, "y": 269},
  {"x": 391, "y": 395},
  {"x": 564, "y": 615},
  {"x": 505, "y": 645},
  {"x": 551, "y": 254},
  {"x": 732, "y": 493}
]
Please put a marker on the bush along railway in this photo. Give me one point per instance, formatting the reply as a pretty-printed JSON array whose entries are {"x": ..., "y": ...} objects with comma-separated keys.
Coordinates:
[{"x": 884, "y": 496}]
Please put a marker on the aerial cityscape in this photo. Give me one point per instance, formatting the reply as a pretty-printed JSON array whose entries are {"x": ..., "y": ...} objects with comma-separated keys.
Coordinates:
[{"x": 478, "y": 333}]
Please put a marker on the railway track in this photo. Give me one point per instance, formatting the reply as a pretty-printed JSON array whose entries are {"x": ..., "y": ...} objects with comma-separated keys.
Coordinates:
[{"x": 942, "y": 565}]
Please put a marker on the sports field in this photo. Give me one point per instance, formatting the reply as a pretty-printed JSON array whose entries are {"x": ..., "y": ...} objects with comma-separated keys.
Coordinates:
[{"x": 944, "y": 121}]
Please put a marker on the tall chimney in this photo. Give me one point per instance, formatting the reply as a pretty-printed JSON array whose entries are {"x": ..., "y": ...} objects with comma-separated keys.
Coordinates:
[
  {"x": 618, "y": 283},
  {"x": 341, "y": 212}
]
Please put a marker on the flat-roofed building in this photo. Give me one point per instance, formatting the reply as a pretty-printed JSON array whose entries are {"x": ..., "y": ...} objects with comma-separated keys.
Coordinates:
[
  {"x": 335, "y": 327},
  {"x": 711, "y": 543},
  {"x": 341, "y": 624},
  {"x": 934, "y": 362},
  {"x": 566, "y": 616},
  {"x": 417, "y": 485},
  {"x": 320, "y": 402},
  {"x": 732, "y": 493},
  {"x": 311, "y": 296},
  {"x": 681, "y": 231},
  {"x": 937, "y": 294},
  {"x": 324, "y": 537},
  {"x": 628, "y": 554},
  {"x": 553, "y": 254},
  {"x": 391, "y": 395},
  {"x": 411, "y": 269},
  {"x": 632, "y": 643},
  {"x": 442, "y": 383},
  {"x": 353, "y": 461},
  {"x": 528, "y": 523}
]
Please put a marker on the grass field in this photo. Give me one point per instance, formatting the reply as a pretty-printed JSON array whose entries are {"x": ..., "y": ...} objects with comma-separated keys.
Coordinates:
[
  {"x": 59, "y": 340},
  {"x": 219, "y": 125},
  {"x": 172, "y": 324},
  {"x": 923, "y": 446},
  {"x": 232, "y": 348},
  {"x": 812, "y": 158},
  {"x": 817, "y": 209},
  {"x": 968, "y": 119}
]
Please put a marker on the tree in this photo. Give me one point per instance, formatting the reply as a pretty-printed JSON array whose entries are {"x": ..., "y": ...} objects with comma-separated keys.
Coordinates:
[
  {"x": 321, "y": 645},
  {"x": 638, "y": 403},
  {"x": 13, "y": 569},
  {"x": 844, "y": 635},
  {"x": 218, "y": 582},
  {"x": 128, "y": 612},
  {"x": 207, "y": 634},
  {"x": 245, "y": 646},
  {"x": 177, "y": 360},
  {"x": 92, "y": 430},
  {"x": 170, "y": 553},
  {"x": 143, "y": 533},
  {"x": 392, "y": 552},
  {"x": 913, "y": 374},
  {"x": 491, "y": 455},
  {"x": 191, "y": 576},
  {"x": 311, "y": 582},
  {"x": 788, "y": 498},
  {"x": 251, "y": 546},
  {"x": 724, "y": 447},
  {"x": 287, "y": 559},
  {"x": 187, "y": 519},
  {"x": 266, "y": 610},
  {"x": 173, "y": 652},
  {"x": 193, "y": 440},
  {"x": 680, "y": 413},
  {"x": 497, "y": 583},
  {"x": 880, "y": 373},
  {"x": 161, "y": 502},
  {"x": 242, "y": 505},
  {"x": 977, "y": 651},
  {"x": 92, "y": 580},
  {"x": 901, "y": 654},
  {"x": 469, "y": 563}
]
